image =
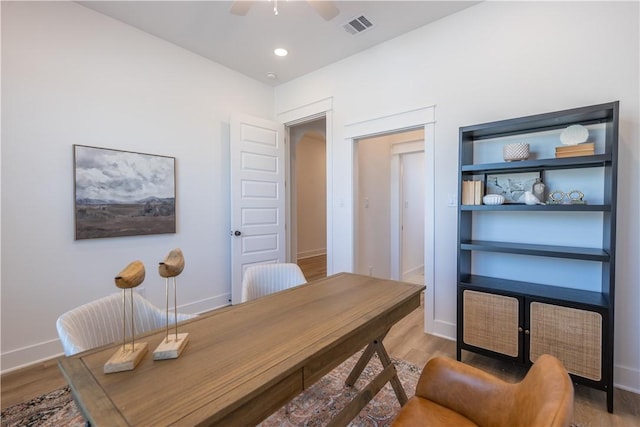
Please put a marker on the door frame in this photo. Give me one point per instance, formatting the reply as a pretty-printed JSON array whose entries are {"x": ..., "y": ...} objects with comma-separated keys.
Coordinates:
[
  {"x": 310, "y": 112},
  {"x": 394, "y": 123},
  {"x": 292, "y": 189}
]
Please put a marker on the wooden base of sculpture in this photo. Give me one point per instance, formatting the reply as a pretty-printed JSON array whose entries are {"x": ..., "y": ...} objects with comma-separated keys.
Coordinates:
[
  {"x": 170, "y": 348},
  {"x": 126, "y": 358}
]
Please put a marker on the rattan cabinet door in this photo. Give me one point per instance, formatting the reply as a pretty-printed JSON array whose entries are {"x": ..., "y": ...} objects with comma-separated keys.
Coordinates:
[
  {"x": 574, "y": 336},
  {"x": 491, "y": 322}
]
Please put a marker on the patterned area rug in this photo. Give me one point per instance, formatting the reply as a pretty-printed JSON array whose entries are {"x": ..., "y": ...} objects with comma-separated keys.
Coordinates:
[
  {"x": 52, "y": 409},
  {"x": 314, "y": 407}
]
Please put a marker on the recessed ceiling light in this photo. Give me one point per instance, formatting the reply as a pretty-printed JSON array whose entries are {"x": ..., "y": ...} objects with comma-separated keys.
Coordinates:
[
  {"x": 272, "y": 76},
  {"x": 281, "y": 52}
]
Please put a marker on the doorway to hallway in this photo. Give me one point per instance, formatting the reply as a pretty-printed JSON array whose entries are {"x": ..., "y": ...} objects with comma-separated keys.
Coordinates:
[
  {"x": 389, "y": 199},
  {"x": 308, "y": 195}
]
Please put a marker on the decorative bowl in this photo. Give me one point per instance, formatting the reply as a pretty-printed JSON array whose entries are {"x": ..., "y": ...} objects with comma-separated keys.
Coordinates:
[
  {"x": 517, "y": 151},
  {"x": 493, "y": 199}
]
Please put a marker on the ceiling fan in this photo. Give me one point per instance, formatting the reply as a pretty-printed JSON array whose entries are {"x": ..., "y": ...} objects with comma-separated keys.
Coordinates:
[{"x": 324, "y": 8}]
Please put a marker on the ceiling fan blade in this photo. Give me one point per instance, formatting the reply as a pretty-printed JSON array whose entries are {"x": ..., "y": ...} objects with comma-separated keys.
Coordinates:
[
  {"x": 325, "y": 8},
  {"x": 241, "y": 7}
]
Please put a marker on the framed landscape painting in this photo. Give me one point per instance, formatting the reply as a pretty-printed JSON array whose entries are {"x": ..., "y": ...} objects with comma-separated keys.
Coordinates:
[{"x": 122, "y": 193}]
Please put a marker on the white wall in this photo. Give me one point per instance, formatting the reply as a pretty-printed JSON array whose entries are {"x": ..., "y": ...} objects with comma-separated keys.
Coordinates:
[
  {"x": 493, "y": 61},
  {"x": 373, "y": 209},
  {"x": 311, "y": 189},
  {"x": 73, "y": 76}
]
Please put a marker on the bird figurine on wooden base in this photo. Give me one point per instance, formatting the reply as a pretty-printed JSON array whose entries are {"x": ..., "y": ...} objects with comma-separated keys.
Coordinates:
[
  {"x": 171, "y": 267},
  {"x": 126, "y": 358}
]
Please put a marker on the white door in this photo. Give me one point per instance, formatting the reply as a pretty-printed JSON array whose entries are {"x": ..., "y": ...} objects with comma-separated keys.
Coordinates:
[
  {"x": 257, "y": 196},
  {"x": 412, "y": 166}
]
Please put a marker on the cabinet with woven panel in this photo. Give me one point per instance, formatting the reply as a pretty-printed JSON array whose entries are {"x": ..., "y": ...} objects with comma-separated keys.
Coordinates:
[
  {"x": 522, "y": 328},
  {"x": 536, "y": 279}
]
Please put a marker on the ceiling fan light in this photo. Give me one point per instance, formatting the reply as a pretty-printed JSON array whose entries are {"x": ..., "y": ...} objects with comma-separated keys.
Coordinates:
[{"x": 280, "y": 52}]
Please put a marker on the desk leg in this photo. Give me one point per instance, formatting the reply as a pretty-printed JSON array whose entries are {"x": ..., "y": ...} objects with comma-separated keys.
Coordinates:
[
  {"x": 354, "y": 407},
  {"x": 377, "y": 347},
  {"x": 388, "y": 374},
  {"x": 361, "y": 364},
  {"x": 395, "y": 381}
]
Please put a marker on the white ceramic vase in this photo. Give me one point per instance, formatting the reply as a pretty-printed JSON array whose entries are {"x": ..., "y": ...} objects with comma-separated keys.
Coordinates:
[{"x": 518, "y": 151}]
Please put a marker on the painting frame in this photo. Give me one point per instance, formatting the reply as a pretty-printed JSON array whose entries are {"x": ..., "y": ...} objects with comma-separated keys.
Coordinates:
[
  {"x": 120, "y": 193},
  {"x": 511, "y": 185}
]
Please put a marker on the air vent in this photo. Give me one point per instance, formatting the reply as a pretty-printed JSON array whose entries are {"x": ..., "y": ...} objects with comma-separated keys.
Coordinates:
[{"x": 357, "y": 25}]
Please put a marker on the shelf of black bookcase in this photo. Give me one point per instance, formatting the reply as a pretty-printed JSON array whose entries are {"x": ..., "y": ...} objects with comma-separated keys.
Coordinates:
[
  {"x": 538, "y": 208},
  {"x": 570, "y": 252},
  {"x": 602, "y": 113},
  {"x": 538, "y": 164},
  {"x": 514, "y": 287}
]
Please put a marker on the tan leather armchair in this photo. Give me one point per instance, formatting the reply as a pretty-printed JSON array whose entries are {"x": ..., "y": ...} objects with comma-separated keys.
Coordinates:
[{"x": 450, "y": 393}]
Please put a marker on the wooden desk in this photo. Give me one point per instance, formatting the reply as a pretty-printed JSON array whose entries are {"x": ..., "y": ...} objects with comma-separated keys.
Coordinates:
[{"x": 244, "y": 362}]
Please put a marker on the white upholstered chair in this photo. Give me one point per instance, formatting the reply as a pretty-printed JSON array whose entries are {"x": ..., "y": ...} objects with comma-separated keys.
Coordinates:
[
  {"x": 100, "y": 322},
  {"x": 263, "y": 279}
]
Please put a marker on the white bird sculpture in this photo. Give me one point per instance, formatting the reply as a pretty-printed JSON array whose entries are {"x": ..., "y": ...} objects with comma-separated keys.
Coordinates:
[{"x": 530, "y": 199}]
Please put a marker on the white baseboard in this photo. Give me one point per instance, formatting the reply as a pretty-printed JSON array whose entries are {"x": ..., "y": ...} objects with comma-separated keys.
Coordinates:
[
  {"x": 19, "y": 358},
  {"x": 312, "y": 253},
  {"x": 443, "y": 329},
  {"x": 413, "y": 271},
  {"x": 207, "y": 304},
  {"x": 626, "y": 378},
  {"x": 30, "y": 355}
]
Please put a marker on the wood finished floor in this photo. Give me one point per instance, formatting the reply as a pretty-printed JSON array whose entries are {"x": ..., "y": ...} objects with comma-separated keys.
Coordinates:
[
  {"x": 406, "y": 340},
  {"x": 313, "y": 267}
]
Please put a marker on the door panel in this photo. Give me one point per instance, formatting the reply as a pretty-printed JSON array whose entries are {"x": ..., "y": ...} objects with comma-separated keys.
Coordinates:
[
  {"x": 491, "y": 322},
  {"x": 572, "y": 335},
  {"x": 257, "y": 196},
  {"x": 413, "y": 173}
]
